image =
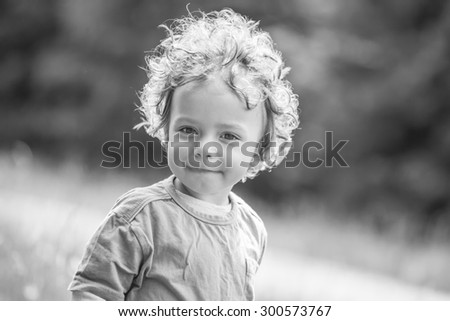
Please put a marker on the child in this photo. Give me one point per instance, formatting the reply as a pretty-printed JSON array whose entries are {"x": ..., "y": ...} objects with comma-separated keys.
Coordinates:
[{"x": 217, "y": 100}]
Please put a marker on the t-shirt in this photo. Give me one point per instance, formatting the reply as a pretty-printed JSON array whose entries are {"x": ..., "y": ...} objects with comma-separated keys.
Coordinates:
[{"x": 156, "y": 244}]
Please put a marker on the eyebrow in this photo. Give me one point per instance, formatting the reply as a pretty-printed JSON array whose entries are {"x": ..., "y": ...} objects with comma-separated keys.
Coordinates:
[
  {"x": 184, "y": 119},
  {"x": 235, "y": 127}
]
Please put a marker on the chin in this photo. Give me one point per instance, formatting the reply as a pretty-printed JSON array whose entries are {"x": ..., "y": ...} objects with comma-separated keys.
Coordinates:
[{"x": 202, "y": 186}]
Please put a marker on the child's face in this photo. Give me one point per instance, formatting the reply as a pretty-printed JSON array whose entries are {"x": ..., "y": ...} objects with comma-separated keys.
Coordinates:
[{"x": 213, "y": 132}]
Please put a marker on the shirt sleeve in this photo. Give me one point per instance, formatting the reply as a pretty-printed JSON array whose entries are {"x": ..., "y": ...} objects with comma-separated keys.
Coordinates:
[
  {"x": 111, "y": 261},
  {"x": 263, "y": 245}
]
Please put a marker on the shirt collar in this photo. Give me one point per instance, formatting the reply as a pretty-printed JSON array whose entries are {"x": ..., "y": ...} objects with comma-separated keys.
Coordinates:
[{"x": 197, "y": 208}]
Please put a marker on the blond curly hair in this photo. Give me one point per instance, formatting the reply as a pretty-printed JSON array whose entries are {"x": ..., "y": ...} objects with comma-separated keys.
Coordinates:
[{"x": 223, "y": 41}]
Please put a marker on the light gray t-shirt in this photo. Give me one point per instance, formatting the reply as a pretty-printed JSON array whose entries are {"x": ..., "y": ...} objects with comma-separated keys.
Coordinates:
[{"x": 159, "y": 244}]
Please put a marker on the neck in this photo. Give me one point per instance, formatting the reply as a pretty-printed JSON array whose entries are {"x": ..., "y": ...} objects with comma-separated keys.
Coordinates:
[{"x": 215, "y": 198}]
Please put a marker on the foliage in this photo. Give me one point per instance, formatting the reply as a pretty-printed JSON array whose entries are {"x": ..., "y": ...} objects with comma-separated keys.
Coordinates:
[{"x": 375, "y": 73}]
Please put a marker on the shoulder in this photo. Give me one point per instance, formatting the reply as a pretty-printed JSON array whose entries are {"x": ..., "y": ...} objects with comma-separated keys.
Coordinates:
[
  {"x": 249, "y": 215},
  {"x": 254, "y": 226},
  {"x": 244, "y": 207},
  {"x": 134, "y": 201}
]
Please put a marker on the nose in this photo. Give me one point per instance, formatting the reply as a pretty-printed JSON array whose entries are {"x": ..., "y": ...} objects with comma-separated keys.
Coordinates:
[
  {"x": 201, "y": 150},
  {"x": 198, "y": 151},
  {"x": 207, "y": 148}
]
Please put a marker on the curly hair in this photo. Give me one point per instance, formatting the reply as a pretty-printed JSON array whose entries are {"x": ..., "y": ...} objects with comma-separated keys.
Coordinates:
[{"x": 233, "y": 45}]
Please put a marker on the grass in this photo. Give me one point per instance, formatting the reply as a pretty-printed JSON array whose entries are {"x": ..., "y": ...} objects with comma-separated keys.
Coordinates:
[{"x": 48, "y": 214}]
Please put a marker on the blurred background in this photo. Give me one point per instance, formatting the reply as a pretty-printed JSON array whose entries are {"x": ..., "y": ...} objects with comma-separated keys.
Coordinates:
[{"x": 375, "y": 73}]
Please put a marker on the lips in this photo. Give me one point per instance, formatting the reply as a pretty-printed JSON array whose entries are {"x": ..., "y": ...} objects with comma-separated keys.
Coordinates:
[{"x": 203, "y": 169}]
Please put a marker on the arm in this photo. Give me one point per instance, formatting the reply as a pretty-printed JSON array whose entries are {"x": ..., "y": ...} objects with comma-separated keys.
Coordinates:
[{"x": 111, "y": 261}]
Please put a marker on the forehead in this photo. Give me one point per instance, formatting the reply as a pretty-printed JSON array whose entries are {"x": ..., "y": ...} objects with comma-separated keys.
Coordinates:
[
  {"x": 213, "y": 101},
  {"x": 209, "y": 88}
]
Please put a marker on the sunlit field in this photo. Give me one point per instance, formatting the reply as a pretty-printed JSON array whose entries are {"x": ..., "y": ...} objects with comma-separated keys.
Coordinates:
[{"x": 48, "y": 213}]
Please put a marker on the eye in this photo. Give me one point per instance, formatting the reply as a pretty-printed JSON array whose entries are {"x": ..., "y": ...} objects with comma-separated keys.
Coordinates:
[
  {"x": 187, "y": 130},
  {"x": 230, "y": 136}
]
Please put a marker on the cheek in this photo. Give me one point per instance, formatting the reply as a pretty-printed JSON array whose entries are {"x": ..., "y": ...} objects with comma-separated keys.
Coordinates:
[
  {"x": 248, "y": 150},
  {"x": 241, "y": 155},
  {"x": 179, "y": 148}
]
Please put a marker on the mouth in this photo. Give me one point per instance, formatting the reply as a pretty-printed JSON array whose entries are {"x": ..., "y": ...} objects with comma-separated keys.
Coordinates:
[{"x": 202, "y": 169}]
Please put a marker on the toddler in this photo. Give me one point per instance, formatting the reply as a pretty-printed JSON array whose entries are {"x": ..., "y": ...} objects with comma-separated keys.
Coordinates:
[{"x": 218, "y": 102}]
